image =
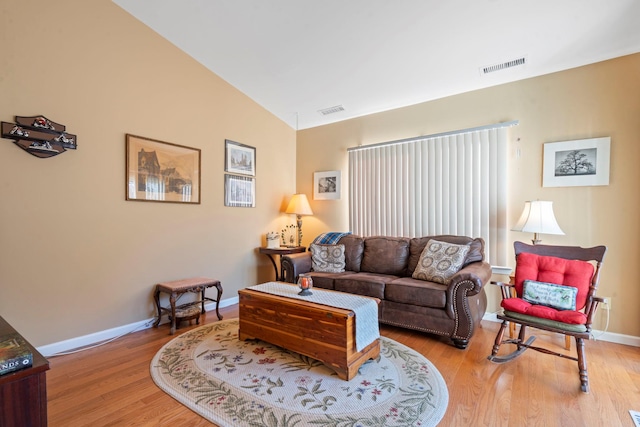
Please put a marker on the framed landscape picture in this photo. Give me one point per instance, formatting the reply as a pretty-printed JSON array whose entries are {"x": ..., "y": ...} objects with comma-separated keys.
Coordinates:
[
  {"x": 239, "y": 158},
  {"x": 326, "y": 185},
  {"x": 576, "y": 163},
  {"x": 159, "y": 171},
  {"x": 239, "y": 191}
]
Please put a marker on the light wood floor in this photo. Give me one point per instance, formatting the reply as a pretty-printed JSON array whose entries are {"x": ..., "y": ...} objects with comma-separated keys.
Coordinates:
[{"x": 111, "y": 385}]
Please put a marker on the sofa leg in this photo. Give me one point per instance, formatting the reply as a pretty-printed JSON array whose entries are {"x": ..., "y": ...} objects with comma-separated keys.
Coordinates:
[{"x": 461, "y": 344}]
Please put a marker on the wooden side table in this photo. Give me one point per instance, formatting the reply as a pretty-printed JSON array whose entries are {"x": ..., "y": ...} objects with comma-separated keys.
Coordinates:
[
  {"x": 23, "y": 393},
  {"x": 282, "y": 250},
  {"x": 179, "y": 287}
]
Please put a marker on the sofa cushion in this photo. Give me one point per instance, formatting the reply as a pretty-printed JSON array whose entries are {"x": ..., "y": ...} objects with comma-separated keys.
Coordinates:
[
  {"x": 476, "y": 249},
  {"x": 385, "y": 255},
  {"x": 439, "y": 261},
  {"x": 353, "y": 251},
  {"x": 327, "y": 258},
  {"x": 406, "y": 290},
  {"x": 367, "y": 284},
  {"x": 324, "y": 280}
]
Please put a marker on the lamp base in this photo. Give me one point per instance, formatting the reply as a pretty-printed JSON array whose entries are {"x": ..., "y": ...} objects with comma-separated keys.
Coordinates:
[
  {"x": 536, "y": 239},
  {"x": 299, "y": 217}
]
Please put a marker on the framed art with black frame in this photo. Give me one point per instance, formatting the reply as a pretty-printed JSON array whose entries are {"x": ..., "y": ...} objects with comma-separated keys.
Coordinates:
[
  {"x": 239, "y": 158},
  {"x": 239, "y": 191},
  {"x": 582, "y": 162},
  {"x": 158, "y": 171}
]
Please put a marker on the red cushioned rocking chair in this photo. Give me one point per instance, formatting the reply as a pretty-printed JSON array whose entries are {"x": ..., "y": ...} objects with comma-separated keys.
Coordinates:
[{"x": 554, "y": 290}]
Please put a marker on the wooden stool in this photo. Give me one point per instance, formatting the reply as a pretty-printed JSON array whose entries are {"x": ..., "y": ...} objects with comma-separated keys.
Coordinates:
[{"x": 179, "y": 287}]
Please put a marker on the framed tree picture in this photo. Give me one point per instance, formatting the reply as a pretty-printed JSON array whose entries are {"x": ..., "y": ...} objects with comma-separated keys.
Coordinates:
[
  {"x": 159, "y": 171},
  {"x": 576, "y": 163},
  {"x": 239, "y": 158}
]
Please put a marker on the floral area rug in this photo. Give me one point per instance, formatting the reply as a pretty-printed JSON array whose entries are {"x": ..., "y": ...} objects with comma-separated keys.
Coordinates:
[{"x": 253, "y": 383}]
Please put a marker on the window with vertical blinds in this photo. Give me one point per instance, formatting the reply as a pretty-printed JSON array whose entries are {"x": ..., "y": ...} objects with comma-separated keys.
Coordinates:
[{"x": 451, "y": 183}]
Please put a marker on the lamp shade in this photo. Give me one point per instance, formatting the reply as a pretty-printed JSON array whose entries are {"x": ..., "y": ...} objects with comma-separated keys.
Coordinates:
[
  {"x": 538, "y": 217},
  {"x": 299, "y": 205}
]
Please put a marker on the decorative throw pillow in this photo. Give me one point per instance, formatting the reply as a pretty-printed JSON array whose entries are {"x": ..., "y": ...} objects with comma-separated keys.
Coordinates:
[
  {"x": 555, "y": 296},
  {"x": 327, "y": 258},
  {"x": 439, "y": 261}
]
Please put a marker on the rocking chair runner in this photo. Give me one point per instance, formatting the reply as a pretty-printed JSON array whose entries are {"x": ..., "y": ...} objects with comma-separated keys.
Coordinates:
[{"x": 536, "y": 300}]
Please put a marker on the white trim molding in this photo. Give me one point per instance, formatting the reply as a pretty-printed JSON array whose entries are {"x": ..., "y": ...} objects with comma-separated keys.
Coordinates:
[{"x": 96, "y": 338}]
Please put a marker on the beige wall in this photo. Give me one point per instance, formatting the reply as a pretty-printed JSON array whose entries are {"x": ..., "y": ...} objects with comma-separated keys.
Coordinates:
[
  {"x": 598, "y": 100},
  {"x": 75, "y": 257}
]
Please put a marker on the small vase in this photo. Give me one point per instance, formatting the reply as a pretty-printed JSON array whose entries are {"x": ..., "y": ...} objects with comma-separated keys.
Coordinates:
[{"x": 305, "y": 283}]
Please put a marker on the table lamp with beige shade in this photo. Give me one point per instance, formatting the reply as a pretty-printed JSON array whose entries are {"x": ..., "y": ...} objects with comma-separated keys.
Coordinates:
[{"x": 299, "y": 205}]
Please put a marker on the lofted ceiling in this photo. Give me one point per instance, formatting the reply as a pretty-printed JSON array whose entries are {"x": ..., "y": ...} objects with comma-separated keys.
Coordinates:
[{"x": 299, "y": 57}]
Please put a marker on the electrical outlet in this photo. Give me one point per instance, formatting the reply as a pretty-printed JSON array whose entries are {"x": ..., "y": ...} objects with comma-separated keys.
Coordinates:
[{"x": 607, "y": 303}]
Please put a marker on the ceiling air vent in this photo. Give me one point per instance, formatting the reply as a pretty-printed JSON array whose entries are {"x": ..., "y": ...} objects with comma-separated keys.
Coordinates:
[
  {"x": 331, "y": 110},
  {"x": 497, "y": 67}
]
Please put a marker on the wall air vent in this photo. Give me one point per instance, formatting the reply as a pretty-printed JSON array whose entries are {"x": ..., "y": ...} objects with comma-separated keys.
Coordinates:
[
  {"x": 498, "y": 67},
  {"x": 331, "y": 110}
]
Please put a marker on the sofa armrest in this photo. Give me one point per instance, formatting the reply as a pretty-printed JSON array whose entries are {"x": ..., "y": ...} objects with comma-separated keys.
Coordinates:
[
  {"x": 294, "y": 265},
  {"x": 466, "y": 300},
  {"x": 474, "y": 276}
]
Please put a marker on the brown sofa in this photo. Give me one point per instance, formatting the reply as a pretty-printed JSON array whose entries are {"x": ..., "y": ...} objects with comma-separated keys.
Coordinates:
[{"x": 382, "y": 267}]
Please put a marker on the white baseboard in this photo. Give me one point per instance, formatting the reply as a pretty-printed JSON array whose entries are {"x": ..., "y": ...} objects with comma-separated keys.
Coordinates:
[
  {"x": 616, "y": 338},
  {"x": 491, "y": 317},
  {"x": 113, "y": 333},
  {"x": 599, "y": 335}
]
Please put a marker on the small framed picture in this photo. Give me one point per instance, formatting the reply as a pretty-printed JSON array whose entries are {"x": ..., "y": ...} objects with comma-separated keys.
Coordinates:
[
  {"x": 326, "y": 185},
  {"x": 576, "y": 163},
  {"x": 159, "y": 171},
  {"x": 239, "y": 158},
  {"x": 239, "y": 191}
]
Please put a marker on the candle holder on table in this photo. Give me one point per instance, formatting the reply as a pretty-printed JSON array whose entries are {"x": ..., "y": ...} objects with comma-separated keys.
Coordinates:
[{"x": 305, "y": 283}]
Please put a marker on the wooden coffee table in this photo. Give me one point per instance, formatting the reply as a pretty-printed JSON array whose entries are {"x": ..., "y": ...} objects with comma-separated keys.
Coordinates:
[{"x": 319, "y": 331}]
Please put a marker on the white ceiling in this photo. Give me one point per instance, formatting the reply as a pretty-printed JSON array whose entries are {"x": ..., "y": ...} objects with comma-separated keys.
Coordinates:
[{"x": 296, "y": 57}]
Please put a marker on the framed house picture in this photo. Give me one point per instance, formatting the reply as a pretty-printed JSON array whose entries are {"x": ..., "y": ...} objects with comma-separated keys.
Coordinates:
[
  {"x": 239, "y": 158},
  {"x": 239, "y": 191},
  {"x": 576, "y": 163},
  {"x": 326, "y": 185},
  {"x": 159, "y": 171}
]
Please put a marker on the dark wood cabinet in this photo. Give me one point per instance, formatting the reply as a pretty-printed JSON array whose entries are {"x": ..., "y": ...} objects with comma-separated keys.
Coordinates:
[{"x": 23, "y": 393}]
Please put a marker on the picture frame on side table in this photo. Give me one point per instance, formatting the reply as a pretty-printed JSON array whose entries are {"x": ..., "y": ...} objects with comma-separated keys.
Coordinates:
[
  {"x": 239, "y": 191},
  {"x": 582, "y": 162},
  {"x": 327, "y": 185},
  {"x": 158, "y": 171},
  {"x": 239, "y": 158}
]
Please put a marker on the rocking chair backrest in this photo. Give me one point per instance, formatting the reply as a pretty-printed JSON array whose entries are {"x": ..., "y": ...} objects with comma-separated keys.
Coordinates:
[{"x": 595, "y": 254}]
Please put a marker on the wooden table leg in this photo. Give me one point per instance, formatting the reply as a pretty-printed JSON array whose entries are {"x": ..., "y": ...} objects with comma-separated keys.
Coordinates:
[
  {"x": 219, "y": 288},
  {"x": 275, "y": 266},
  {"x": 156, "y": 297},
  {"x": 172, "y": 301}
]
